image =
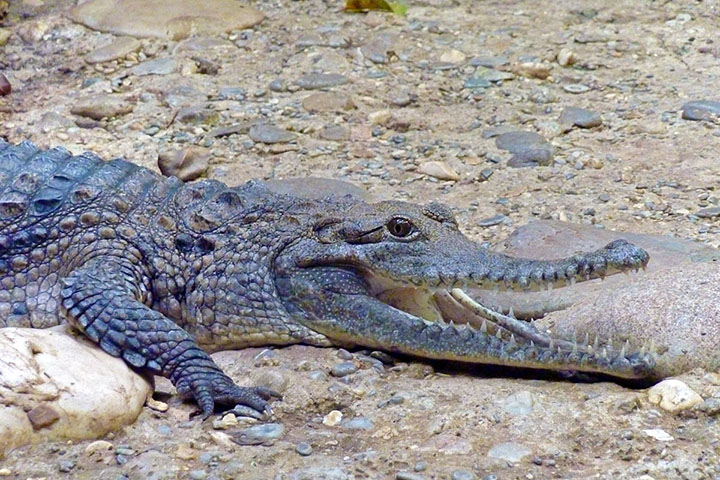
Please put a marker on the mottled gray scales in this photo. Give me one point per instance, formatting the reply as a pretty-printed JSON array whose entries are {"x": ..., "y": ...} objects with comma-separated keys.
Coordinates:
[{"x": 154, "y": 271}]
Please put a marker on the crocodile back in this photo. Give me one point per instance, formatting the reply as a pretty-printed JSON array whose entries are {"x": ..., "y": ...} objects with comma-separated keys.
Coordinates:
[{"x": 53, "y": 206}]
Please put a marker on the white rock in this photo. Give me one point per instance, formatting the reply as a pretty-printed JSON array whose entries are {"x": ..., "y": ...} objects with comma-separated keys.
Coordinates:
[
  {"x": 54, "y": 385},
  {"x": 659, "y": 434},
  {"x": 673, "y": 395},
  {"x": 453, "y": 56},
  {"x": 333, "y": 418},
  {"x": 439, "y": 170}
]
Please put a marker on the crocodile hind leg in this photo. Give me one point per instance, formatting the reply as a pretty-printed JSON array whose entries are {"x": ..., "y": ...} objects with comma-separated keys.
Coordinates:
[{"x": 104, "y": 299}]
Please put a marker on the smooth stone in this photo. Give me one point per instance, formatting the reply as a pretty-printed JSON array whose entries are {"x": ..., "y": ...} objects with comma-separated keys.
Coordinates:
[
  {"x": 439, "y": 170},
  {"x": 258, "y": 434},
  {"x": 269, "y": 134},
  {"x": 673, "y": 395},
  {"x": 333, "y": 418},
  {"x": 186, "y": 164},
  {"x": 659, "y": 434},
  {"x": 546, "y": 239},
  {"x": 334, "y": 133},
  {"x": 576, "y": 88},
  {"x": 477, "y": 82},
  {"x": 303, "y": 448},
  {"x": 580, "y": 117},
  {"x": 101, "y": 106},
  {"x": 710, "y": 212},
  {"x": 170, "y": 19},
  {"x": 462, "y": 475},
  {"x": 314, "y": 81},
  {"x": 492, "y": 221},
  {"x": 495, "y": 76},
  {"x": 672, "y": 308},
  {"x": 701, "y": 110},
  {"x": 327, "y": 102},
  {"x": 358, "y": 423},
  {"x": 532, "y": 158},
  {"x": 158, "y": 66},
  {"x": 408, "y": 476},
  {"x": 519, "y": 141},
  {"x": 45, "y": 382},
  {"x": 117, "y": 49},
  {"x": 510, "y": 452},
  {"x": 343, "y": 369}
]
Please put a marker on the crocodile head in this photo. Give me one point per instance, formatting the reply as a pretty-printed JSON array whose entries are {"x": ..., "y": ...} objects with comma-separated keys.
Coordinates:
[{"x": 390, "y": 276}]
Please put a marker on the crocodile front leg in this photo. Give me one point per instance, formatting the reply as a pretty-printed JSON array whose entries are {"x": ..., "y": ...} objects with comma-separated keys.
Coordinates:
[{"x": 105, "y": 298}]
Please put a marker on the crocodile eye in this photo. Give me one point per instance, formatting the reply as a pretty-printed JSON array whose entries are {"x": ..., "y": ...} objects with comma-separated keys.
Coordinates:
[{"x": 400, "y": 227}]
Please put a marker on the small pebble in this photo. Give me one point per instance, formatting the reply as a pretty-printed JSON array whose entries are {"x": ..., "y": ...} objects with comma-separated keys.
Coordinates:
[
  {"x": 258, "y": 434},
  {"x": 303, "y": 448},
  {"x": 66, "y": 465},
  {"x": 5, "y": 472},
  {"x": 186, "y": 164},
  {"x": 5, "y": 87},
  {"x": 492, "y": 221},
  {"x": 580, "y": 117},
  {"x": 314, "y": 81},
  {"x": 333, "y": 418},
  {"x": 566, "y": 57},
  {"x": 673, "y": 395},
  {"x": 462, "y": 475},
  {"x": 343, "y": 369},
  {"x": 576, "y": 88},
  {"x": 439, "y": 170},
  {"x": 701, "y": 110},
  {"x": 269, "y": 134},
  {"x": 408, "y": 476}
]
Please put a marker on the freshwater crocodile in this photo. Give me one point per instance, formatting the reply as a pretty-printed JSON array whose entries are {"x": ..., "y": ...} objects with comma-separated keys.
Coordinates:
[{"x": 159, "y": 272}]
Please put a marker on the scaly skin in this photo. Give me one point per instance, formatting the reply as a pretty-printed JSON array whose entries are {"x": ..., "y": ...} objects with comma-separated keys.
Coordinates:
[{"x": 153, "y": 269}]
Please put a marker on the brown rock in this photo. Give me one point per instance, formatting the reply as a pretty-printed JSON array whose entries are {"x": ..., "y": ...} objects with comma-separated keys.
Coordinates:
[
  {"x": 187, "y": 164},
  {"x": 172, "y": 19},
  {"x": 43, "y": 416},
  {"x": 98, "y": 107},
  {"x": 327, "y": 102}
]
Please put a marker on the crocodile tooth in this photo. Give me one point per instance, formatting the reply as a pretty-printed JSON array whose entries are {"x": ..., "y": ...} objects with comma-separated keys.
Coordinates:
[
  {"x": 587, "y": 339},
  {"x": 624, "y": 349},
  {"x": 484, "y": 327},
  {"x": 512, "y": 339},
  {"x": 498, "y": 334},
  {"x": 596, "y": 343},
  {"x": 511, "y": 314},
  {"x": 575, "y": 349}
]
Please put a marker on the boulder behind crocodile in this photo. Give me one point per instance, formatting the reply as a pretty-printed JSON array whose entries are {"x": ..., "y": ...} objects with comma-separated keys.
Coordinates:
[{"x": 153, "y": 269}]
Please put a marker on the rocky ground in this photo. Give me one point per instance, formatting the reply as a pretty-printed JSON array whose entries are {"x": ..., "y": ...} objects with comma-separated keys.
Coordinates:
[{"x": 507, "y": 111}]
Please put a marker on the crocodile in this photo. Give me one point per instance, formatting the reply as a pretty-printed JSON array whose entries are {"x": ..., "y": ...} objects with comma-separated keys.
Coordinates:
[{"x": 160, "y": 272}]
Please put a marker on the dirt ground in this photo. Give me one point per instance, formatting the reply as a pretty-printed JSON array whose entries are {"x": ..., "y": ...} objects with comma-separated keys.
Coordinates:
[{"x": 423, "y": 89}]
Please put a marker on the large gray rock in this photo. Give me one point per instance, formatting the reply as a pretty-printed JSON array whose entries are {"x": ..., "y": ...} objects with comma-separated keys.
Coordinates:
[
  {"x": 55, "y": 386},
  {"x": 552, "y": 239},
  {"x": 173, "y": 19},
  {"x": 676, "y": 308}
]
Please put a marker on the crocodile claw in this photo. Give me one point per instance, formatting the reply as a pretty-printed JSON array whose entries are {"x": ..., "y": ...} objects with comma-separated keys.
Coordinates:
[{"x": 247, "y": 401}]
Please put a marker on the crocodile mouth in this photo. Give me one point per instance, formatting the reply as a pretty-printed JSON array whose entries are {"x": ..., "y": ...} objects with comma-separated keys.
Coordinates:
[{"x": 452, "y": 308}]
